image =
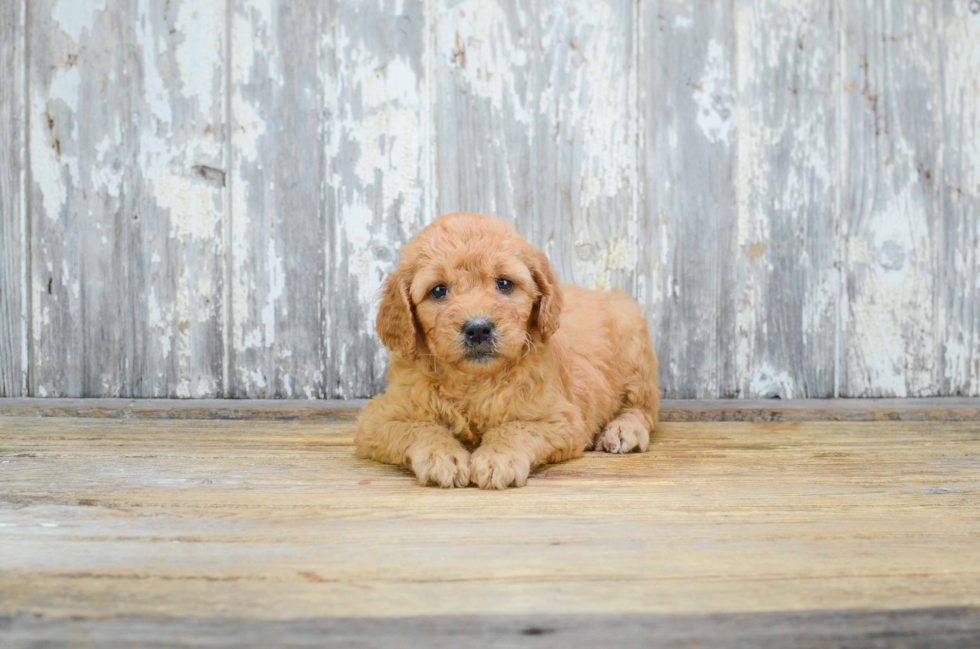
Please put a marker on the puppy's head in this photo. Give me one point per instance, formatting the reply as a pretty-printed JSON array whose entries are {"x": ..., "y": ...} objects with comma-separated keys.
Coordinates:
[{"x": 471, "y": 292}]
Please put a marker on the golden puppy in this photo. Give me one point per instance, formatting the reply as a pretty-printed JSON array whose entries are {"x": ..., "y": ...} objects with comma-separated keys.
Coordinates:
[{"x": 496, "y": 368}]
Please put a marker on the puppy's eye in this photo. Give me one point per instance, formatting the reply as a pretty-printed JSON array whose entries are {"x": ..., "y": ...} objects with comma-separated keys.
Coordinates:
[
  {"x": 439, "y": 292},
  {"x": 504, "y": 285}
]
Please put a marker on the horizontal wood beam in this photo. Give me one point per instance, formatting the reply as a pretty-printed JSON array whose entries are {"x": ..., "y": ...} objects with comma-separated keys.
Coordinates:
[{"x": 928, "y": 409}]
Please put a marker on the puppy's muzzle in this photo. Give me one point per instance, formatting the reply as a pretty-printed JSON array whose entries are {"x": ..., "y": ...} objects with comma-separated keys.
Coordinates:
[{"x": 479, "y": 334}]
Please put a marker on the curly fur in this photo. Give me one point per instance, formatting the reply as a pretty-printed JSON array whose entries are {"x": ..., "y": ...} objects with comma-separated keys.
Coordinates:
[{"x": 573, "y": 368}]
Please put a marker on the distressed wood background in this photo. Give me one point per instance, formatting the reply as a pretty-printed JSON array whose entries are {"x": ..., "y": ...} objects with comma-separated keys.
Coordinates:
[{"x": 200, "y": 199}]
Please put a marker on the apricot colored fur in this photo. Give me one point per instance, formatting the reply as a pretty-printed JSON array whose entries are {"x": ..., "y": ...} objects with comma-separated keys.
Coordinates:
[{"x": 575, "y": 368}]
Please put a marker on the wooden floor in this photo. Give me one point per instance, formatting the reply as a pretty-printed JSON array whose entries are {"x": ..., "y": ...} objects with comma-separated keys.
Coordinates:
[{"x": 120, "y": 532}]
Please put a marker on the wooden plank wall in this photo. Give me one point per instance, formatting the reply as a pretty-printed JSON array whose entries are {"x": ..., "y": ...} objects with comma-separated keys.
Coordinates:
[
  {"x": 201, "y": 199},
  {"x": 13, "y": 233}
]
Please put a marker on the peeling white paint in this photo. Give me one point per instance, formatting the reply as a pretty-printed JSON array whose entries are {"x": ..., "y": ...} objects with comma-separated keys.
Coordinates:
[
  {"x": 768, "y": 382},
  {"x": 277, "y": 284},
  {"x": 891, "y": 312},
  {"x": 585, "y": 126},
  {"x": 253, "y": 339},
  {"x": 182, "y": 317},
  {"x": 49, "y": 164},
  {"x": 39, "y": 321},
  {"x": 751, "y": 175},
  {"x": 75, "y": 17},
  {"x": 199, "y": 25},
  {"x": 205, "y": 387},
  {"x": 369, "y": 272},
  {"x": 388, "y": 131},
  {"x": 608, "y": 154},
  {"x": 252, "y": 42},
  {"x": 256, "y": 378},
  {"x": 714, "y": 96},
  {"x": 556, "y": 81},
  {"x": 183, "y": 390},
  {"x": 597, "y": 263},
  {"x": 478, "y": 36},
  {"x": 683, "y": 22},
  {"x": 785, "y": 173},
  {"x": 159, "y": 323}
]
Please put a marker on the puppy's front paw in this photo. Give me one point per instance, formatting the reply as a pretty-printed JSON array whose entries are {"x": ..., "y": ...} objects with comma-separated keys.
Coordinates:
[
  {"x": 622, "y": 436},
  {"x": 492, "y": 470},
  {"x": 444, "y": 466}
]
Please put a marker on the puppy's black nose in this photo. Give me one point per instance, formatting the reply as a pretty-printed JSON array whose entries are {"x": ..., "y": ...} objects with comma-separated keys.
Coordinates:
[{"x": 477, "y": 331}]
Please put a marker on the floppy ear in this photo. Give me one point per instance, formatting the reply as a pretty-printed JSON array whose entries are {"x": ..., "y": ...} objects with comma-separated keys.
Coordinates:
[
  {"x": 547, "y": 312},
  {"x": 396, "y": 321}
]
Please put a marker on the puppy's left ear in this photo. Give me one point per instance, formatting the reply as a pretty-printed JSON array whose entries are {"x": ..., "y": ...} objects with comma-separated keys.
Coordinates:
[
  {"x": 396, "y": 321},
  {"x": 547, "y": 312}
]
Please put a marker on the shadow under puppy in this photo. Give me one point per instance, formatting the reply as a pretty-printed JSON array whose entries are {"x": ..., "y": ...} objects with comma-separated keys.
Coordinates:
[{"x": 495, "y": 368}]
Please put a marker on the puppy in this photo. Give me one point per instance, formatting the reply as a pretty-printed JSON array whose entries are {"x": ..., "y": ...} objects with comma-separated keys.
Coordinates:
[{"x": 496, "y": 368}]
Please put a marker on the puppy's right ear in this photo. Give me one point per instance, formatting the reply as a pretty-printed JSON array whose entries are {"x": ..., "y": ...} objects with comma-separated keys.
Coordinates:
[{"x": 396, "y": 321}]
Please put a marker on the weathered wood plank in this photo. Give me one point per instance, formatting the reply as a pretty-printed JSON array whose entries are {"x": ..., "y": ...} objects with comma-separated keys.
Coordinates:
[
  {"x": 959, "y": 263},
  {"x": 84, "y": 222},
  {"x": 787, "y": 198},
  {"x": 688, "y": 207},
  {"x": 235, "y": 409},
  {"x": 891, "y": 212},
  {"x": 126, "y": 165},
  {"x": 179, "y": 109},
  {"x": 277, "y": 520},
  {"x": 536, "y": 124},
  {"x": 13, "y": 208},
  {"x": 278, "y": 210},
  {"x": 671, "y": 410},
  {"x": 584, "y": 145},
  {"x": 932, "y": 628},
  {"x": 379, "y": 164},
  {"x": 483, "y": 66}
]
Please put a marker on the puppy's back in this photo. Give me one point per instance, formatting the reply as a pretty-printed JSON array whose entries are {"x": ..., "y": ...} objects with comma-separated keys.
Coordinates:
[{"x": 588, "y": 311}]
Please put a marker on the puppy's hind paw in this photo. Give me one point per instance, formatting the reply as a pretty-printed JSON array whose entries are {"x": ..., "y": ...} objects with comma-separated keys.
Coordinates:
[
  {"x": 622, "y": 437},
  {"x": 445, "y": 467},
  {"x": 492, "y": 470}
]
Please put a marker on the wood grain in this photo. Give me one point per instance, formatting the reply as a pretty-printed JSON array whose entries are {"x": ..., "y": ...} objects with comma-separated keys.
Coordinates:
[
  {"x": 278, "y": 220},
  {"x": 584, "y": 141},
  {"x": 892, "y": 225},
  {"x": 959, "y": 263},
  {"x": 250, "y": 520},
  {"x": 688, "y": 205},
  {"x": 483, "y": 66},
  {"x": 214, "y": 193},
  {"x": 127, "y": 197},
  {"x": 335, "y": 95},
  {"x": 536, "y": 124},
  {"x": 787, "y": 199},
  {"x": 379, "y": 161},
  {"x": 13, "y": 230}
]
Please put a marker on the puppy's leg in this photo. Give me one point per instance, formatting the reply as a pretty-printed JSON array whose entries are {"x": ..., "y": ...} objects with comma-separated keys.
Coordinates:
[
  {"x": 630, "y": 429},
  {"x": 509, "y": 452},
  {"x": 427, "y": 448}
]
